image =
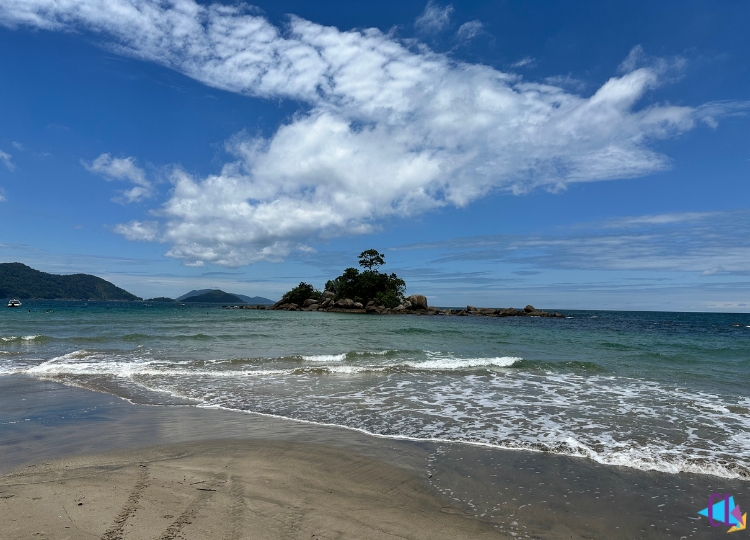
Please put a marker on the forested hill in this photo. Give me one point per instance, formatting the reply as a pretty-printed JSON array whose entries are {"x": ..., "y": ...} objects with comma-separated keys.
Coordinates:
[{"x": 20, "y": 281}]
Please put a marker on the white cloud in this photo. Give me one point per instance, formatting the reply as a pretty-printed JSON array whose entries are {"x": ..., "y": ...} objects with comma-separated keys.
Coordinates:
[
  {"x": 3, "y": 198},
  {"x": 147, "y": 231},
  {"x": 525, "y": 61},
  {"x": 6, "y": 159},
  {"x": 388, "y": 130},
  {"x": 700, "y": 243},
  {"x": 434, "y": 17},
  {"x": 469, "y": 30},
  {"x": 122, "y": 169},
  {"x": 17, "y": 145}
]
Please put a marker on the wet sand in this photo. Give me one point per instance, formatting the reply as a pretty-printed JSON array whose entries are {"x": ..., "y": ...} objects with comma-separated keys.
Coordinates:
[
  {"x": 131, "y": 466},
  {"x": 226, "y": 489}
]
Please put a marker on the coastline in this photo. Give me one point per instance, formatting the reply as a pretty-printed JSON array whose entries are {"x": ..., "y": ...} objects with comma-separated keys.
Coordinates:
[{"x": 466, "y": 490}]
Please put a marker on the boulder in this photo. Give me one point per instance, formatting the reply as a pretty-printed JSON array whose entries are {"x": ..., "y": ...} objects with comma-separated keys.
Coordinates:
[
  {"x": 406, "y": 304},
  {"x": 325, "y": 302},
  {"x": 328, "y": 294},
  {"x": 309, "y": 302},
  {"x": 529, "y": 308},
  {"x": 346, "y": 303},
  {"x": 358, "y": 305},
  {"x": 470, "y": 308},
  {"x": 291, "y": 307},
  {"x": 418, "y": 301}
]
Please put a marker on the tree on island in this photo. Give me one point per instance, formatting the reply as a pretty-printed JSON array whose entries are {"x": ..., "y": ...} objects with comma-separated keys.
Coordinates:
[
  {"x": 371, "y": 258},
  {"x": 300, "y": 293},
  {"x": 370, "y": 284}
]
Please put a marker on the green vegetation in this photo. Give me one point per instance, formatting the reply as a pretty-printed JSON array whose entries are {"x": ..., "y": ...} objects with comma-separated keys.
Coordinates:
[
  {"x": 300, "y": 293},
  {"x": 215, "y": 297},
  {"x": 20, "y": 281},
  {"x": 160, "y": 299},
  {"x": 369, "y": 284}
]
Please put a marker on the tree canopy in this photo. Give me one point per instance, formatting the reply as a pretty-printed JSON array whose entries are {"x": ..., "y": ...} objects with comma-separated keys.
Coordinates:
[
  {"x": 360, "y": 286},
  {"x": 370, "y": 259}
]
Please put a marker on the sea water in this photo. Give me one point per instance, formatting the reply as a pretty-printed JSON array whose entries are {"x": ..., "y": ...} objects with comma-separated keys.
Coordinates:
[{"x": 653, "y": 391}]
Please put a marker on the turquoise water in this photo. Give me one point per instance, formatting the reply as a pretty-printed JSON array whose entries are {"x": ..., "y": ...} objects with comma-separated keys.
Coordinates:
[{"x": 655, "y": 391}]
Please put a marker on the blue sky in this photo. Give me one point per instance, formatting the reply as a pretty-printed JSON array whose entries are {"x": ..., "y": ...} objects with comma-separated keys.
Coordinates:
[{"x": 565, "y": 154}]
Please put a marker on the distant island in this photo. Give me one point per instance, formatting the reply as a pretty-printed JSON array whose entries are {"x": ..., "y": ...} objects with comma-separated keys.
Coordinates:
[
  {"x": 215, "y": 297},
  {"x": 241, "y": 298},
  {"x": 20, "y": 281}
]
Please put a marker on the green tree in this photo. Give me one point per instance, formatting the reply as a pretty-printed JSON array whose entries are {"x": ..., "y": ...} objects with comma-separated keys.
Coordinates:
[
  {"x": 384, "y": 289},
  {"x": 370, "y": 259},
  {"x": 300, "y": 293}
]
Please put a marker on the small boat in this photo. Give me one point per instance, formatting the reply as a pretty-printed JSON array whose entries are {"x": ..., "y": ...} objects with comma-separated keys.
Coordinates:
[{"x": 14, "y": 302}]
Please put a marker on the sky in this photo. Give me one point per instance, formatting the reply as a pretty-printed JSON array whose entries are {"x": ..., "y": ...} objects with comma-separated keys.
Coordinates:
[{"x": 579, "y": 155}]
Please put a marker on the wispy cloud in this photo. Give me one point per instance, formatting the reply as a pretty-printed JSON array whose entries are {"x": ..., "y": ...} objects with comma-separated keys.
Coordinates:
[
  {"x": 434, "y": 17},
  {"x": 567, "y": 81},
  {"x": 525, "y": 61},
  {"x": 388, "y": 129},
  {"x": 7, "y": 161},
  {"x": 3, "y": 198},
  {"x": 469, "y": 30},
  {"x": 700, "y": 243},
  {"x": 122, "y": 169}
]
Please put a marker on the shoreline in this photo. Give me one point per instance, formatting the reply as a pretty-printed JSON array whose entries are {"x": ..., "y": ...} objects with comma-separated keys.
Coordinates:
[{"x": 522, "y": 492}]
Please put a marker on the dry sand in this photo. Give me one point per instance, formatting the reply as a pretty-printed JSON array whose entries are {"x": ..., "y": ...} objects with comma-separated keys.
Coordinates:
[{"x": 226, "y": 490}]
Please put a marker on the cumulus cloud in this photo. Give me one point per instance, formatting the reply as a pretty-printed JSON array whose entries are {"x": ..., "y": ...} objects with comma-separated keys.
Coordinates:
[
  {"x": 6, "y": 159},
  {"x": 122, "y": 169},
  {"x": 386, "y": 129},
  {"x": 139, "y": 230},
  {"x": 434, "y": 17}
]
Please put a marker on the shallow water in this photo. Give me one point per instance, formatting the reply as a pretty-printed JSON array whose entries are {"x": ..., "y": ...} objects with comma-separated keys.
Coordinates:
[{"x": 653, "y": 391}]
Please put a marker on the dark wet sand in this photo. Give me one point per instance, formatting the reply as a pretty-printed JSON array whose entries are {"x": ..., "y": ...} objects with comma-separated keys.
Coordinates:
[{"x": 129, "y": 466}]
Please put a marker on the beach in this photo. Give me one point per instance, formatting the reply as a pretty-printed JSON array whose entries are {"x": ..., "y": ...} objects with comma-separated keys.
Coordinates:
[
  {"x": 596, "y": 425},
  {"x": 144, "y": 471}
]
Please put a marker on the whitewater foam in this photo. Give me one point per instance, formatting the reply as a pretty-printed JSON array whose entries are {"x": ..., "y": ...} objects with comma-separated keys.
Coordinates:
[
  {"x": 457, "y": 364},
  {"x": 325, "y": 358}
]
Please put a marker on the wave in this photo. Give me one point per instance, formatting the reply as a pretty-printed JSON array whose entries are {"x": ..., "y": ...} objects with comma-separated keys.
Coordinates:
[
  {"x": 325, "y": 358},
  {"x": 10, "y": 339},
  {"x": 458, "y": 364},
  {"x": 500, "y": 411}
]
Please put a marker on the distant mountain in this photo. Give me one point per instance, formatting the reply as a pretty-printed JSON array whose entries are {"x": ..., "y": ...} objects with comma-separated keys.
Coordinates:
[
  {"x": 216, "y": 296},
  {"x": 255, "y": 299},
  {"x": 193, "y": 293},
  {"x": 20, "y": 281},
  {"x": 242, "y": 297}
]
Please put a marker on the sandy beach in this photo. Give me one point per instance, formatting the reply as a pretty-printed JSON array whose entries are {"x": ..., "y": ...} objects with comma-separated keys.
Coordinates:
[
  {"x": 227, "y": 490},
  {"x": 82, "y": 464}
]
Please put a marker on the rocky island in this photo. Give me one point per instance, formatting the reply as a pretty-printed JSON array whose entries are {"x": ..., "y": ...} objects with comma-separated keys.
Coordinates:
[{"x": 371, "y": 291}]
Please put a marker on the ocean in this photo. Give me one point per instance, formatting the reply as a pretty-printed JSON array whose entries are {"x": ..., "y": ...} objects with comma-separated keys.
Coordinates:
[{"x": 651, "y": 391}]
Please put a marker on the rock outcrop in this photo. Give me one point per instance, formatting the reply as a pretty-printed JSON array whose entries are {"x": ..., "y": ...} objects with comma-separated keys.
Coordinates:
[{"x": 415, "y": 304}]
